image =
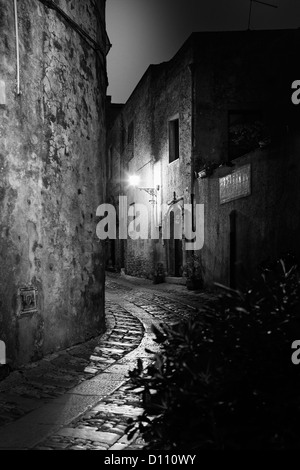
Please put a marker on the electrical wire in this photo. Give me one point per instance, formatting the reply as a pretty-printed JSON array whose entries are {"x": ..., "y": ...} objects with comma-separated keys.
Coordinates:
[
  {"x": 261, "y": 3},
  {"x": 17, "y": 46},
  {"x": 108, "y": 43}
]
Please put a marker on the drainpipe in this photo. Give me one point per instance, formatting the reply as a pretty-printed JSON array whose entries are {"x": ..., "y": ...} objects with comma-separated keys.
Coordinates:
[
  {"x": 17, "y": 46},
  {"x": 192, "y": 68}
]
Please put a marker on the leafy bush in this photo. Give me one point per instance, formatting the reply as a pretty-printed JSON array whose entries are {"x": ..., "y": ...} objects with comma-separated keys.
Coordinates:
[{"x": 225, "y": 380}]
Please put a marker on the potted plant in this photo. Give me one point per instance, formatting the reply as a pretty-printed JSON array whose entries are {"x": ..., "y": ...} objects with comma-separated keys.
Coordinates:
[
  {"x": 193, "y": 273},
  {"x": 159, "y": 274}
]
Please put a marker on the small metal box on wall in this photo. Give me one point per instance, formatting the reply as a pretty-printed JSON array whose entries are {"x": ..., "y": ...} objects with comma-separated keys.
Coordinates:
[{"x": 28, "y": 296}]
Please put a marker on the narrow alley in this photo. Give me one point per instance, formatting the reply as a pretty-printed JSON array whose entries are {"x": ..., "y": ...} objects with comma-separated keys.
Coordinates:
[
  {"x": 149, "y": 177},
  {"x": 79, "y": 399}
]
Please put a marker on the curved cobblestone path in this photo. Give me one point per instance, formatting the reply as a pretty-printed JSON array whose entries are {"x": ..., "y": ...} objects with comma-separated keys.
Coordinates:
[{"x": 92, "y": 379}]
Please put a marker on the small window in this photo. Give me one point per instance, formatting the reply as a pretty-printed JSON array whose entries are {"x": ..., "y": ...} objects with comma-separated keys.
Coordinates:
[
  {"x": 173, "y": 140},
  {"x": 130, "y": 141},
  {"x": 245, "y": 131},
  {"x": 130, "y": 134}
]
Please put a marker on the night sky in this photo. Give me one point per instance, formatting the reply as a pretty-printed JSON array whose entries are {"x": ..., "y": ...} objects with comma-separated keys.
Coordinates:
[{"x": 144, "y": 32}]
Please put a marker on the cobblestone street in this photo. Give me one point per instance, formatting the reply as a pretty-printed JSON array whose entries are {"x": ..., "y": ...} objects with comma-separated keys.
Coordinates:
[{"x": 79, "y": 399}]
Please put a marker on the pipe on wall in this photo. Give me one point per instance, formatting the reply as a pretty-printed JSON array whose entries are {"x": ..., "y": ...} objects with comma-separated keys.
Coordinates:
[{"x": 17, "y": 46}]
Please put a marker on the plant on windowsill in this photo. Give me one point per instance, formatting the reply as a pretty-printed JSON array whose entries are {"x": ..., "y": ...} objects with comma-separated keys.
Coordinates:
[{"x": 209, "y": 168}]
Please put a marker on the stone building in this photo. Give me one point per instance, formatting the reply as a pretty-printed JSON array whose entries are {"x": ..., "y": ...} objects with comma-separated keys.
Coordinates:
[
  {"x": 214, "y": 128},
  {"x": 53, "y": 85}
]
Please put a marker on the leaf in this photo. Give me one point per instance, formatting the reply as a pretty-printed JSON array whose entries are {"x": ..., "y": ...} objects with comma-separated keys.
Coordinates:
[
  {"x": 160, "y": 337},
  {"x": 149, "y": 351},
  {"x": 140, "y": 365},
  {"x": 283, "y": 266},
  {"x": 242, "y": 310},
  {"x": 131, "y": 435}
]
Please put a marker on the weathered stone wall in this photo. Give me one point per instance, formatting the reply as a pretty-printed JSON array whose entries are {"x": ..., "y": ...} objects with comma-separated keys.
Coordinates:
[{"x": 52, "y": 154}]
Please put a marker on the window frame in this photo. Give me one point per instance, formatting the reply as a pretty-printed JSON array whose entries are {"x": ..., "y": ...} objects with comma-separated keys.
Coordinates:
[{"x": 175, "y": 152}]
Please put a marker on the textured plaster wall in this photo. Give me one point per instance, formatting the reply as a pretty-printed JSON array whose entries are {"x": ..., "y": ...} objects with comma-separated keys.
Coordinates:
[
  {"x": 267, "y": 221},
  {"x": 136, "y": 256},
  {"x": 163, "y": 92},
  {"x": 231, "y": 72},
  {"x": 52, "y": 153},
  {"x": 114, "y": 184},
  {"x": 138, "y": 109},
  {"x": 173, "y": 98},
  {"x": 247, "y": 72}
]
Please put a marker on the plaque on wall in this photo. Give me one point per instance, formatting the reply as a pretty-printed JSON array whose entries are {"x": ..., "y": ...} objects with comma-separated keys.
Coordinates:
[{"x": 235, "y": 185}]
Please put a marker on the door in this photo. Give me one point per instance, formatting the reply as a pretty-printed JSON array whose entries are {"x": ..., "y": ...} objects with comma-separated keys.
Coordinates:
[{"x": 174, "y": 245}]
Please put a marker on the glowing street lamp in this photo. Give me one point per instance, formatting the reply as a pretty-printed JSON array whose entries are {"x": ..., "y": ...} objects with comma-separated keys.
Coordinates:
[{"x": 134, "y": 181}]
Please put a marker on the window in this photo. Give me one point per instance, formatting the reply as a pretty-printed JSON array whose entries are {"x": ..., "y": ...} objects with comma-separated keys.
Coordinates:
[
  {"x": 245, "y": 132},
  {"x": 173, "y": 140}
]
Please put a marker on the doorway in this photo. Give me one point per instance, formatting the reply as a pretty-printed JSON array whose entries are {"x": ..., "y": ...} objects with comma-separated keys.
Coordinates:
[{"x": 174, "y": 245}]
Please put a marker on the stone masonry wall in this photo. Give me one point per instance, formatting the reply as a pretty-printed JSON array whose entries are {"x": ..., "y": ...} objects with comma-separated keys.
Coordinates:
[{"x": 52, "y": 153}]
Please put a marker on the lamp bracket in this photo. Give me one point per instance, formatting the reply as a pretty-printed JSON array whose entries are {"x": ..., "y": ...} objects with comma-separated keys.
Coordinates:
[{"x": 151, "y": 191}]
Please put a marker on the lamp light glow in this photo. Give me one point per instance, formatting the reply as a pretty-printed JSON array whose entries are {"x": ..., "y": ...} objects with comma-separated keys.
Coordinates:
[{"x": 134, "y": 180}]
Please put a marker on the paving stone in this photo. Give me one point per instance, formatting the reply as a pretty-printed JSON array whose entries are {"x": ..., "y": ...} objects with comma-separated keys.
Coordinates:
[
  {"x": 43, "y": 448},
  {"x": 106, "y": 360},
  {"x": 100, "y": 359},
  {"x": 91, "y": 370},
  {"x": 119, "y": 343},
  {"x": 113, "y": 350},
  {"x": 54, "y": 439},
  {"x": 61, "y": 445},
  {"x": 88, "y": 428},
  {"x": 124, "y": 410},
  {"x": 118, "y": 446},
  {"x": 120, "y": 428},
  {"x": 94, "y": 436},
  {"x": 97, "y": 447}
]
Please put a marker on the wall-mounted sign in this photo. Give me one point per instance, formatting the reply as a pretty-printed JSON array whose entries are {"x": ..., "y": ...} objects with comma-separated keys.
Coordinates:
[{"x": 235, "y": 185}]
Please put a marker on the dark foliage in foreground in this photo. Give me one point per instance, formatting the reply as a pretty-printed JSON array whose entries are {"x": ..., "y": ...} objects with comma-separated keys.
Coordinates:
[{"x": 225, "y": 379}]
